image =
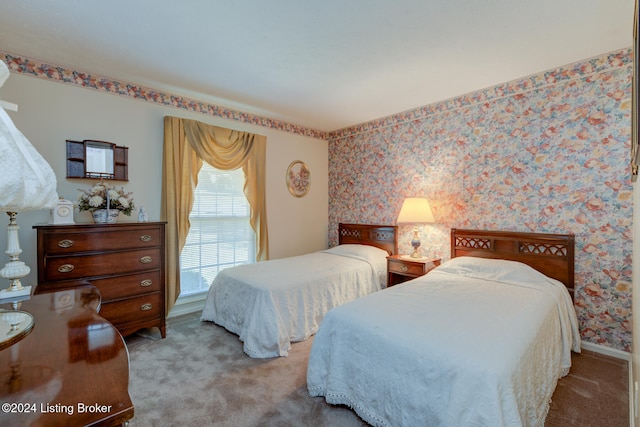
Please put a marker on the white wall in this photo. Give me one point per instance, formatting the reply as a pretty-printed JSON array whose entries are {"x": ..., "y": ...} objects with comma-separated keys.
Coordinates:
[{"x": 52, "y": 112}]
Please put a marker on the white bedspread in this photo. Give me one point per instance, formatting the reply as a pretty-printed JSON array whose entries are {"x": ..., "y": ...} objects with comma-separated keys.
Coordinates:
[
  {"x": 452, "y": 348},
  {"x": 273, "y": 303}
]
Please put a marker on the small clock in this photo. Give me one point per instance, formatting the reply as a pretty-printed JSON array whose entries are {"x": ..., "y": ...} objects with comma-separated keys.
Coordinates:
[{"x": 62, "y": 213}]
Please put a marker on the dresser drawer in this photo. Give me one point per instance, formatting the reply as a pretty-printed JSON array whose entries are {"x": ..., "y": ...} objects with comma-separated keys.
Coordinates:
[
  {"x": 113, "y": 288},
  {"x": 405, "y": 268},
  {"x": 72, "y": 242},
  {"x": 87, "y": 266},
  {"x": 141, "y": 308}
]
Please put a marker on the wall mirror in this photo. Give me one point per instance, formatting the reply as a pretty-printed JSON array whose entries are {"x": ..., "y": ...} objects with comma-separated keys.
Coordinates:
[{"x": 97, "y": 159}]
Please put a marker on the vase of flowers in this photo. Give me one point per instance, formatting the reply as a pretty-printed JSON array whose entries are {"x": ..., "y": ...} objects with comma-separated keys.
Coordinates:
[{"x": 105, "y": 202}]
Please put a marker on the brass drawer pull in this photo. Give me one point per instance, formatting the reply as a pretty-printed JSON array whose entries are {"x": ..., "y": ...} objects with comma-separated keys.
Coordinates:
[
  {"x": 146, "y": 282},
  {"x": 404, "y": 268},
  {"x": 66, "y": 268},
  {"x": 66, "y": 243},
  {"x": 146, "y": 307},
  {"x": 145, "y": 238},
  {"x": 145, "y": 259}
]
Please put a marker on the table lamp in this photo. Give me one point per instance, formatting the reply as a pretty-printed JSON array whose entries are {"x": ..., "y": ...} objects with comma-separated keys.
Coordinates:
[
  {"x": 27, "y": 182},
  {"x": 417, "y": 211}
]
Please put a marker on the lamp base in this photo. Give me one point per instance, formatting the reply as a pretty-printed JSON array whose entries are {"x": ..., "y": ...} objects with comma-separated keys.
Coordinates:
[
  {"x": 416, "y": 253},
  {"x": 15, "y": 269},
  {"x": 11, "y": 293},
  {"x": 415, "y": 242}
]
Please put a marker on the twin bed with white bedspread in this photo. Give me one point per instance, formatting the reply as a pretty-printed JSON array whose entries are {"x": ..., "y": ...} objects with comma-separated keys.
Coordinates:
[
  {"x": 475, "y": 342},
  {"x": 273, "y": 303}
]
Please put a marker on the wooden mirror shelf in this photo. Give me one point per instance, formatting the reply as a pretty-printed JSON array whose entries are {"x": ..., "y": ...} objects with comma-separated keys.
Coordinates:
[{"x": 97, "y": 160}]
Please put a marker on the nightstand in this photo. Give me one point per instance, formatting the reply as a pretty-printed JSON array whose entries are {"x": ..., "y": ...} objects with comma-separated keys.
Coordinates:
[{"x": 402, "y": 268}]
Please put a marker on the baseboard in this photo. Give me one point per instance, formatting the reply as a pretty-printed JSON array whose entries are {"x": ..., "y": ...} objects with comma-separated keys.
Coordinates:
[
  {"x": 633, "y": 395},
  {"x": 188, "y": 305},
  {"x": 608, "y": 351}
]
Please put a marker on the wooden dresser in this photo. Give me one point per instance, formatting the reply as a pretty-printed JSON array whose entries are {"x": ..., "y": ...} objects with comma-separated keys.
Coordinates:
[{"x": 125, "y": 261}]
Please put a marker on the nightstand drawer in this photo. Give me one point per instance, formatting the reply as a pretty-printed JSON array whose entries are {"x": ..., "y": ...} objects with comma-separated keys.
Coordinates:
[
  {"x": 406, "y": 268},
  {"x": 402, "y": 268}
]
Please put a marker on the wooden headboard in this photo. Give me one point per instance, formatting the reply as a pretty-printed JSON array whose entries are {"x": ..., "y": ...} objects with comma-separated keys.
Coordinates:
[
  {"x": 381, "y": 236},
  {"x": 550, "y": 254}
]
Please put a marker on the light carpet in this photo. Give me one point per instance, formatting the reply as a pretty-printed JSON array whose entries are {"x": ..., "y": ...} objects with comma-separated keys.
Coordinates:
[{"x": 199, "y": 376}]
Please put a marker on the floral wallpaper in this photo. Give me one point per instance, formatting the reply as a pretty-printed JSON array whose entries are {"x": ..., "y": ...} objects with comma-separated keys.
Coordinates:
[{"x": 547, "y": 153}]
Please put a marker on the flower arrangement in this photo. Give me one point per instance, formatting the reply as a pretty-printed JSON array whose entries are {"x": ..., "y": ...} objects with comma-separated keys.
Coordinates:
[{"x": 96, "y": 198}]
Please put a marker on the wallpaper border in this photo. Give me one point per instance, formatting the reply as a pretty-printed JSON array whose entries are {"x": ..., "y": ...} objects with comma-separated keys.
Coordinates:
[
  {"x": 35, "y": 68},
  {"x": 581, "y": 69},
  {"x": 577, "y": 70}
]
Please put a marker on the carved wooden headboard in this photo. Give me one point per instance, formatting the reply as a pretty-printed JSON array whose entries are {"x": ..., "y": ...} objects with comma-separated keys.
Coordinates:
[
  {"x": 551, "y": 254},
  {"x": 381, "y": 236}
]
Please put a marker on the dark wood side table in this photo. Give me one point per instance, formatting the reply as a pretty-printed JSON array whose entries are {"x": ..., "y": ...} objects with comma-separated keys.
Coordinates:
[
  {"x": 72, "y": 369},
  {"x": 401, "y": 268}
]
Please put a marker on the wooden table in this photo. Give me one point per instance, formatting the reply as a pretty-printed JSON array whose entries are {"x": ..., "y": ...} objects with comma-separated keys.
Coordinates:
[{"x": 72, "y": 369}]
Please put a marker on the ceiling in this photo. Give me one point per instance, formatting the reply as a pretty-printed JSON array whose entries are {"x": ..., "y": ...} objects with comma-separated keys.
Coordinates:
[{"x": 323, "y": 64}]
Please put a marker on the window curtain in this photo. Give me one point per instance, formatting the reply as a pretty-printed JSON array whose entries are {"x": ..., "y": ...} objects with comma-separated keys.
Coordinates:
[{"x": 187, "y": 143}]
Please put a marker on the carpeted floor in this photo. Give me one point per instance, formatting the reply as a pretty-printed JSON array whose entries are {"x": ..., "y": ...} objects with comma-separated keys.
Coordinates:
[{"x": 199, "y": 376}]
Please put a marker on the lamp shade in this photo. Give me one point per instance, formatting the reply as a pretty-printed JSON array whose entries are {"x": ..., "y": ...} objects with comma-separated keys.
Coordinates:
[
  {"x": 27, "y": 182},
  {"x": 415, "y": 210}
]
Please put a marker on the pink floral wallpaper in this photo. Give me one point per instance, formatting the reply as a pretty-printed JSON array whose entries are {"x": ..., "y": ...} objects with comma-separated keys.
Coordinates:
[{"x": 546, "y": 153}]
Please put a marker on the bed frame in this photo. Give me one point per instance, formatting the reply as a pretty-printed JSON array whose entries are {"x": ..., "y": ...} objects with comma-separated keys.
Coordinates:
[
  {"x": 551, "y": 254},
  {"x": 381, "y": 236}
]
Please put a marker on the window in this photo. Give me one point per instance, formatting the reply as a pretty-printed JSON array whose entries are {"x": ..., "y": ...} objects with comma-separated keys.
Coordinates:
[{"x": 220, "y": 235}]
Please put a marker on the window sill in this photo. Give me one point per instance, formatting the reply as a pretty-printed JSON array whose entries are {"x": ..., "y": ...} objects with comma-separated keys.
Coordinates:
[{"x": 188, "y": 304}]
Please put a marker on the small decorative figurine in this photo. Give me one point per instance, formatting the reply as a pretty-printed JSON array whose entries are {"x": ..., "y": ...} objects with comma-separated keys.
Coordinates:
[{"x": 142, "y": 215}]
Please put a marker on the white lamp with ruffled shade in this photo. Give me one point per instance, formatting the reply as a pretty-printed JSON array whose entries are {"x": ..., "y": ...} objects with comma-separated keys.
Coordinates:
[
  {"x": 27, "y": 183},
  {"x": 416, "y": 211}
]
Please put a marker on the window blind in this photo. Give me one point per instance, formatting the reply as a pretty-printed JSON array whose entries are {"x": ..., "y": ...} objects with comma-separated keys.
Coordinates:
[{"x": 220, "y": 235}]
